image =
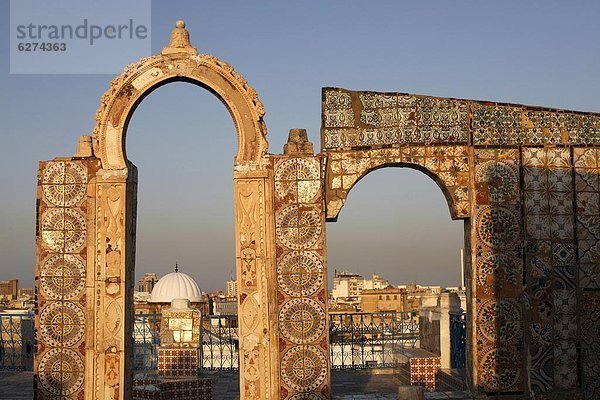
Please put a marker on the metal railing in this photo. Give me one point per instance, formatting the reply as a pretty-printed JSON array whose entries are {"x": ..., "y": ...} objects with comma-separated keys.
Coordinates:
[
  {"x": 16, "y": 341},
  {"x": 369, "y": 340},
  {"x": 458, "y": 339},
  {"x": 357, "y": 340},
  {"x": 146, "y": 339},
  {"x": 220, "y": 342}
]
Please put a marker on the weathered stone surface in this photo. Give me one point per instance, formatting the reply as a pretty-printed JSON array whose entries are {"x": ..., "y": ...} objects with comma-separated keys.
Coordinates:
[{"x": 411, "y": 393}]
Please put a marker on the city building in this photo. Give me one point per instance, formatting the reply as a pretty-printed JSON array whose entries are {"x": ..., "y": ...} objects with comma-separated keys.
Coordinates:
[
  {"x": 346, "y": 285},
  {"x": 389, "y": 298},
  {"x": 9, "y": 290},
  {"x": 418, "y": 296},
  {"x": 224, "y": 305},
  {"x": 26, "y": 293},
  {"x": 231, "y": 288},
  {"x": 375, "y": 283},
  {"x": 147, "y": 282}
]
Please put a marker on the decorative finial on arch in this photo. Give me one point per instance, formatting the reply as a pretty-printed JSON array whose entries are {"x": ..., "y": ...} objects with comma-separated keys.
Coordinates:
[{"x": 180, "y": 40}]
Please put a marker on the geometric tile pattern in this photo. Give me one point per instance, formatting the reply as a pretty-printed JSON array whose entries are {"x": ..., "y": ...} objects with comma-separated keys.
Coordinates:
[
  {"x": 551, "y": 265},
  {"x": 353, "y": 119},
  {"x": 590, "y": 344},
  {"x": 177, "y": 362},
  {"x": 61, "y": 272},
  {"x": 495, "y": 124},
  {"x": 496, "y": 237},
  {"x": 175, "y": 389},
  {"x": 423, "y": 371},
  {"x": 587, "y": 182},
  {"x": 301, "y": 275}
]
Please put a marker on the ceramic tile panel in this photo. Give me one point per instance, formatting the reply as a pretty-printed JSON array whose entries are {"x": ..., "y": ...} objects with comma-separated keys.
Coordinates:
[
  {"x": 61, "y": 272},
  {"x": 587, "y": 172},
  {"x": 301, "y": 275},
  {"x": 551, "y": 266},
  {"x": 178, "y": 362},
  {"x": 358, "y": 119},
  {"x": 165, "y": 389},
  {"x": 590, "y": 344},
  {"x": 353, "y": 119},
  {"x": 424, "y": 372},
  {"x": 497, "y": 237}
]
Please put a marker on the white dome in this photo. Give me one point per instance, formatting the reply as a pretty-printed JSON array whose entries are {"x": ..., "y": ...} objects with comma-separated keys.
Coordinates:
[{"x": 175, "y": 285}]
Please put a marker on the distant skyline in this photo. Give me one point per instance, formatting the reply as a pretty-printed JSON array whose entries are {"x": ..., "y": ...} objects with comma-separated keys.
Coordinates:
[{"x": 396, "y": 221}]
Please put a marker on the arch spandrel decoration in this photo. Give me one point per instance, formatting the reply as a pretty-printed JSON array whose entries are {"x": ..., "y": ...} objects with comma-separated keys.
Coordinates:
[
  {"x": 527, "y": 181},
  {"x": 178, "y": 61},
  {"x": 448, "y": 166}
]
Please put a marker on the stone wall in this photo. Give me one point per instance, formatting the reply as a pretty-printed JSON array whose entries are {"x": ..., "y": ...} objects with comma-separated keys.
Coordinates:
[{"x": 525, "y": 180}]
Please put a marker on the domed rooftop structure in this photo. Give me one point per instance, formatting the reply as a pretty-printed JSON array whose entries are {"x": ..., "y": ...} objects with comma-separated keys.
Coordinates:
[{"x": 175, "y": 285}]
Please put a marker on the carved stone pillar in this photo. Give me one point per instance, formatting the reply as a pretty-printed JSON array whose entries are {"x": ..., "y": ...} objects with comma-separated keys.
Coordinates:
[
  {"x": 113, "y": 269},
  {"x": 255, "y": 253}
]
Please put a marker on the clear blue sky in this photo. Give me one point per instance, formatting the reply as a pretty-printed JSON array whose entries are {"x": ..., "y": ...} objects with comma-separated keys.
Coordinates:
[{"x": 396, "y": 222}]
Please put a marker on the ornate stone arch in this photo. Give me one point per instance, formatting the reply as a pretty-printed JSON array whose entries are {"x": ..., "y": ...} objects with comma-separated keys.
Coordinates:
[
  {"x": 178, "y": 62},
  {"x": 99, "y": 244},
  {"x": 448, "y": 166}
]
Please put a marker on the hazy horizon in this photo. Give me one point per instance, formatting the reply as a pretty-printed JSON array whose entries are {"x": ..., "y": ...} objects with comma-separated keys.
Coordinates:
[{"x": 396, "y": 222}]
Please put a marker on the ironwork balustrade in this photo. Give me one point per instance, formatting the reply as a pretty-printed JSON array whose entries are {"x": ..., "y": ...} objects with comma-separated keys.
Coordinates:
[
  {"x": 16, "y": 341},
  {"x": 146, "y": 339},
  {"x": 357, "y": 340},
  {"x": 220, "y": 342},
  {"x": 369, "y": 340}
]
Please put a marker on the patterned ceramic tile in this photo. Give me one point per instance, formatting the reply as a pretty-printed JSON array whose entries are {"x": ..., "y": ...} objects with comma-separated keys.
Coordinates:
[
  {"x": 565, "y": 326},
  {"x": 301, "y": 274},
  {"x": 424, "y": 371},
  {"x": 551, "y": 280},
  {"x": 565, "y": 375},
  {"x": 566, "y": 351},
  {"x": 61, "y": 281},
  {"x": 565, "y": 301},
  {"x": 590, "y": 344},
  {"x": 542, "y": 368},
  {"x": 177, "y": 362},
  {"x": 563, "y": 254},
  {"x": 390, "y": 119}
]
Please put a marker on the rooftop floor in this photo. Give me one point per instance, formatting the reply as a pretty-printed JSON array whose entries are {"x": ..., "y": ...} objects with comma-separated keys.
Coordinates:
[{"x": 346, "y": 385}]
